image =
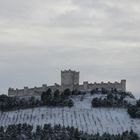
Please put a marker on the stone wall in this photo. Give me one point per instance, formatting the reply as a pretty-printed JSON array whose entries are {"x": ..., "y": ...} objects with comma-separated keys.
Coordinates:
[
  {"x": 36, "y": 91},
  {"x": 109, "y": 86},
  {"x": 69, "y": 79}
]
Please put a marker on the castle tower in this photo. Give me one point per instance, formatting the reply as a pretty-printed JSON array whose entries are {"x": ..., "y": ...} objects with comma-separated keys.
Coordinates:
[
  {"x": 69, "y": 79},
  {"x": 123, "y": 84}
]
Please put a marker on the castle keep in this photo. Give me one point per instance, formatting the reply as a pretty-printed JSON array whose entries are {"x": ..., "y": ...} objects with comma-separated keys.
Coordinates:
[{"x": 69, "y": 79}]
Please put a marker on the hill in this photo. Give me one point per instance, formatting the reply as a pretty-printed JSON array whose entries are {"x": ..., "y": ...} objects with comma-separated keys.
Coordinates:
[{"x": 81, "y": 116}]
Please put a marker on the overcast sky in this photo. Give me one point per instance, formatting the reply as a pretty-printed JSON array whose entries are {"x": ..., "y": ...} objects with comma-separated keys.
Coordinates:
[{"x": 39, "y": 38}]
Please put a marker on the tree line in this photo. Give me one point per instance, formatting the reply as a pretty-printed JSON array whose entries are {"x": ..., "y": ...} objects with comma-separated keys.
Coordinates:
[
  {"x": 61, "y": 99},
  {"x": 57, "y": 99},
  {"x": 134, "y": 110},
  {"x": 57, "y": 132},
  {"x": 13, "y": 103},
  {"x": 48, "y": 98},
  {"x": 112, "y": 99},
  {"x": 109, "y": 101}
]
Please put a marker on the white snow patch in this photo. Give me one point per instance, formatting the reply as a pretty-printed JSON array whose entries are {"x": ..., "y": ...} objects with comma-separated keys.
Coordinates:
[{"x": 130, "y": 100}]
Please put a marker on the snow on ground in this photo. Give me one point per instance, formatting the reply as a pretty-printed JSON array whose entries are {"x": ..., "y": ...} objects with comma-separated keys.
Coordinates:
[
  {"x": 130, "y": 100},
  {"x": 86, "y": 100},
  {"x": 81, "y": 116},
  {"x": 110, "y": 120}
]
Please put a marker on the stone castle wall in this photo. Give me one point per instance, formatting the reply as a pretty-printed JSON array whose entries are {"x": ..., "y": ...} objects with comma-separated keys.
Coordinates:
[
  {"x": 120, "y": 86},
  {"x": 69, "y": 79},
  {"x": 36, "y": 91}
]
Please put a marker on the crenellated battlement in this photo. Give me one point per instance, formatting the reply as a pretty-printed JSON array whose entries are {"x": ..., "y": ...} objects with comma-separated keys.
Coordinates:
[
  {"x": 120, "y": 86},
  {"x": 69, "y": 79},
  {"x": 68, "y": 70}
]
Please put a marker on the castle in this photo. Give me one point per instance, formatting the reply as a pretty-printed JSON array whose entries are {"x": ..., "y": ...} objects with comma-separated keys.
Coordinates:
[{"x": 69, "y": 79}]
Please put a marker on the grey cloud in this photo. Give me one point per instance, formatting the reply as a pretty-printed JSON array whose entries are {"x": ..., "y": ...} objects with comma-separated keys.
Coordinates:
[{"x": 39, "y": 38}]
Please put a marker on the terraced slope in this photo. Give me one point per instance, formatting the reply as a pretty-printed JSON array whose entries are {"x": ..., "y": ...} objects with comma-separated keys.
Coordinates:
[{"x": 82, "y": 116}]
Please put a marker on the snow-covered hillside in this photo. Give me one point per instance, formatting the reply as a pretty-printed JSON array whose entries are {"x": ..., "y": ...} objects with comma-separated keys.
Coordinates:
[
  {"x": 82, "y": 116},
  {"x": 89, "y": 120},
  {"x": 84, "y": 101}
]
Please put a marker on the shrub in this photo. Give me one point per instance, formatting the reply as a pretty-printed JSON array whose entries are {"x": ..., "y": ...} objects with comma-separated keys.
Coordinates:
[
  {"x": 70, "y": 103},
  {"x": 132, "y": 111}
]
